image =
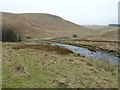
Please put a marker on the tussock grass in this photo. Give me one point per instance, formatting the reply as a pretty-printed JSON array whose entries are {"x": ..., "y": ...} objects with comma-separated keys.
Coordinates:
[{"x": 48, "y": 69}]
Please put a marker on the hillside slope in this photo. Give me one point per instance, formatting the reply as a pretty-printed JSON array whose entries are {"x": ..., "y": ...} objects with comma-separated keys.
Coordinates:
[
  {"x": 41, "y": 25},
  {"x": 103, "y": 32},
  {"x": 100, "y": 27},
  {"x": 111, "y": 34}
]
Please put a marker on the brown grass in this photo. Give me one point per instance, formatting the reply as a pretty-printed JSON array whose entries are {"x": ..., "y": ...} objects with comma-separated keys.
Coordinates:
[
  {"x": 41, "y": 25},
  {"x": 44, "y": 47}
]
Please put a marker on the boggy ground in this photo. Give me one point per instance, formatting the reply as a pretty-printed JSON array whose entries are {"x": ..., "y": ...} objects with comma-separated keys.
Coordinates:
[{"x": 41, "y": 66}]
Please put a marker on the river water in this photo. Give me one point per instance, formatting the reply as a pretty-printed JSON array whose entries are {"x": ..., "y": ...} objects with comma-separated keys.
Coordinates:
[{"x": 99, "y": 55}]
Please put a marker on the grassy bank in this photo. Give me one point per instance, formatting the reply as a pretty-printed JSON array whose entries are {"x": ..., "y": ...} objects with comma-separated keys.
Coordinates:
[{"x": 40, "y": 66}]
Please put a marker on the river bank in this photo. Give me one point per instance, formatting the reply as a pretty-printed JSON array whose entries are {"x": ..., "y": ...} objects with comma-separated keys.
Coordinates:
[
  {"x": 108, "y": 46},
  {"x": 43, "y": 67},
  {"x": 98, "y": 55}
]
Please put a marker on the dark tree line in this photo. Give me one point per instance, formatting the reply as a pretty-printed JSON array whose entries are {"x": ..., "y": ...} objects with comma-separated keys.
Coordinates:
[{"x": 9, "y": 35}]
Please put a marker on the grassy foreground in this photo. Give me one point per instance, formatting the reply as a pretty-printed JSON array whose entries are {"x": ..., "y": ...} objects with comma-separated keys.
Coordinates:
[{"x": 41, "y": 66}]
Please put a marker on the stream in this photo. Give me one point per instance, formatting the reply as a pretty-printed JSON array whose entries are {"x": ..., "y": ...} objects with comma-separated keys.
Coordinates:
[{"x": 99, "y": 55}]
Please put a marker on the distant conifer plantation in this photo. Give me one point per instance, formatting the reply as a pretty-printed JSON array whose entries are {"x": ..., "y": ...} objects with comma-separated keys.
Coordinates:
[{"x": 9, "y": 35}]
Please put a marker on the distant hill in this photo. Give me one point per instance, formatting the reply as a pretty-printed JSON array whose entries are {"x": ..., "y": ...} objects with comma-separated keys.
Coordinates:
[
  {"x": 103, "y": 32},
  {"x": 111, "y": 35},
  {"x": 41, "y": 25},
  {"x": 100, "y": 27},
  {"x": 115, "y": 25},
  {"x": 107, "y": 35}
]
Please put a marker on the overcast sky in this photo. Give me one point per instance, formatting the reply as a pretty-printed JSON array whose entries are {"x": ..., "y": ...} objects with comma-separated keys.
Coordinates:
[{"x": 78, "y": 11}]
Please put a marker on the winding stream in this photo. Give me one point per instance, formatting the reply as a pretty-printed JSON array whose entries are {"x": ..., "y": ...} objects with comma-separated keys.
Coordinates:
[{"x": 99, "y": 55}]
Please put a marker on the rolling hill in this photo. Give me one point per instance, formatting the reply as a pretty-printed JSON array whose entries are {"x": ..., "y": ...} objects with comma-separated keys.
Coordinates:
[
  {"x": 107, "y": 35},
  {"x": 110, "y": 35},
  {"x": 103, "y": 32},
  {"x": 41, "y": 25},
  {"x": 100, "y": 27}
]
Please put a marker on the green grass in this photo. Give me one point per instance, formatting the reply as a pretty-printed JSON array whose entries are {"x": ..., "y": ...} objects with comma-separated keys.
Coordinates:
[{"x": 40, "y": 68}]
